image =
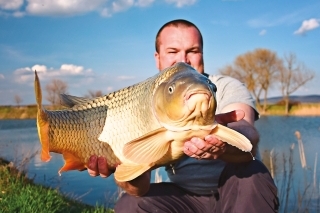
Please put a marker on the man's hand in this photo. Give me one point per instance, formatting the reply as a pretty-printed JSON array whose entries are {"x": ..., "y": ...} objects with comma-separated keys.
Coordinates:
[
  {"x": 211, "y": 147},
  {"x": 138, "y": 186},
  {"x": 98, "y": 166}
]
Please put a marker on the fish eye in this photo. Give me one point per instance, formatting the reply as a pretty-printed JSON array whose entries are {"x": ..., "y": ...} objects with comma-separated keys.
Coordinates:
[{"x": 170, "y": 89}]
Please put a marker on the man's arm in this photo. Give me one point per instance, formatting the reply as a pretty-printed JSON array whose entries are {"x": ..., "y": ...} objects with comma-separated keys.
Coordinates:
[{"x": 138, "y": 186}]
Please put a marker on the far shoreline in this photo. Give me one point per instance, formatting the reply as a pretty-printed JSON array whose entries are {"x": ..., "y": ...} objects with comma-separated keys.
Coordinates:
[{"x": 301, "y": 110}]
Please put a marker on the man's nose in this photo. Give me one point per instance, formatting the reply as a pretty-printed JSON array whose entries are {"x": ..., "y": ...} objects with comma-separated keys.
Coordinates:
[{"x": 183, "y": 57}]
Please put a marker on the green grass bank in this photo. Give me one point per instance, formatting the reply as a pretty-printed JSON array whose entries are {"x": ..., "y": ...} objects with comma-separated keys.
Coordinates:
[{"x": 20, "y": 194}]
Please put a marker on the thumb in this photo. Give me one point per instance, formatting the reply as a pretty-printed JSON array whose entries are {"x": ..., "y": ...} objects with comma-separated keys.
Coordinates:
[{"x": 229, "y": 117}]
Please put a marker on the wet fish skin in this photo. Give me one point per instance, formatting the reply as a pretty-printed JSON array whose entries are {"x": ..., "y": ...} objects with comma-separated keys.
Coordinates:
[
  {"x": 131, "y": 127},
  {"x": 73, "y": 133}
]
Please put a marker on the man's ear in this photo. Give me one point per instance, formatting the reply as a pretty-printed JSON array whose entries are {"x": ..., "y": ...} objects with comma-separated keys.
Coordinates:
[{"x": 157, "y": 58}]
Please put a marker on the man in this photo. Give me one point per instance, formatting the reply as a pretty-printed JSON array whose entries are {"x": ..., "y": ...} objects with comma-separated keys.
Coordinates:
[{"x": 225, "y": 179}]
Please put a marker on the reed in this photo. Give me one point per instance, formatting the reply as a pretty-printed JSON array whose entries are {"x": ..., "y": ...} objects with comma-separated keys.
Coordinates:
[{"x": 298, "y": 188}]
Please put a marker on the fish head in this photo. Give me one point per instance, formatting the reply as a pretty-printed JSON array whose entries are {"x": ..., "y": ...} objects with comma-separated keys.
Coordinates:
[{"x": 185, "y": 100}]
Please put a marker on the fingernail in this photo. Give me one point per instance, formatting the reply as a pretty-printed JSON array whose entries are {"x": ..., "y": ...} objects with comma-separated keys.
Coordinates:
[
  {"x": 208, "y": 137},
  {"x": 194, "y": 140}
]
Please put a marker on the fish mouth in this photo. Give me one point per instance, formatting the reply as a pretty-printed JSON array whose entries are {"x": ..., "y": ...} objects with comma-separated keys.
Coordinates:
[{"x": 198, "y": 100}]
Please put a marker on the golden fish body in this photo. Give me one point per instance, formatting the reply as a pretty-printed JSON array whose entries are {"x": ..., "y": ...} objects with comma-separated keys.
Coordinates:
[{"x": 139, "y": 127}]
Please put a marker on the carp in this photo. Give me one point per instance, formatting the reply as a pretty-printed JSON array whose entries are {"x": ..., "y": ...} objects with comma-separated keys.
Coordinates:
[{"x": 137, "y": 128}]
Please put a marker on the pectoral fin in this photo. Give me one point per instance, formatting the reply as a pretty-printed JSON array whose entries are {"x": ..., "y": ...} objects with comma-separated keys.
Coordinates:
[
  {"x": 127, "y": 172},
  {"x": 232, "y": 137},
  {"x": 71, "y": 163},
  {"x": 148, "y": 148}
]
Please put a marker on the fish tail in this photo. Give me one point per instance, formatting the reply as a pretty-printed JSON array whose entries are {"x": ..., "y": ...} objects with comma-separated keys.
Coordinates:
[{"x": 42, "y": 121}]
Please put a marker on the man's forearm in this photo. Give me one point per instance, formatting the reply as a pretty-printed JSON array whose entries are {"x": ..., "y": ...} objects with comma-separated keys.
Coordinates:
[{"x": 138, "y": 186}]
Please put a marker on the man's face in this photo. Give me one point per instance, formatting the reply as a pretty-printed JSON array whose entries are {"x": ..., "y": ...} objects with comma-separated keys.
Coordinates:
[{"x": 179, "y": 44}]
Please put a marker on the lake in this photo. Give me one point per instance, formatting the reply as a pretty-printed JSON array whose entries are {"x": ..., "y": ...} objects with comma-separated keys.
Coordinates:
[{"x": 19, "y": 139}]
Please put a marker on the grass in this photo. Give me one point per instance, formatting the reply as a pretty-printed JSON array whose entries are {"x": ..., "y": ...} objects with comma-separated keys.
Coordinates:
[
  {"x": 20, "y": 194},
  {"x": 22, "y": 112},
  {"x": 304, "y": 109}
]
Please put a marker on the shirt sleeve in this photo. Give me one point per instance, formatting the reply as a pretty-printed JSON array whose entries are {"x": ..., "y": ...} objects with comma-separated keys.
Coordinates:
[{"x": 229, "y": 91}]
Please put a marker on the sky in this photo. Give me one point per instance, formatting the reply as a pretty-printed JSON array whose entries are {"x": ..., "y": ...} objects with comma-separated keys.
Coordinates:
[{"x": 107, "y": 45}]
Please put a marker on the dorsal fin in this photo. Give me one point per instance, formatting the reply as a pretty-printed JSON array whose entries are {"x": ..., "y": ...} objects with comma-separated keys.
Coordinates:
[{"x": 70, "y": 100}]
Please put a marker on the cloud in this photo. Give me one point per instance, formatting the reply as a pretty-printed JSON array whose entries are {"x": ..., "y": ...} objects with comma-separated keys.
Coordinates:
[
  {"x": 262, "y": 32},
  {"x": 106, "y": 8},
  {"x": 125, "y": 77},
  {"x": 62, "y": 7},
  {"x": 181, "y": 3},
  {"x": 18, "y": 14},
  {"x": 110, "y": 89},
  {"x": 274, "y": 18},
  {"x": 10, "y": 4},
  {"x": 308, "y": 25},
  {"x": 144, "y": 3},
  {"x": 122, "y": 5},
  {"x": 26, "y": 74},
  {"x": 71, "y": 69},
  {"x": 39, "y": 68},
  {"x": 269, "y": 20},
  {"x": 1, "y": 76}
]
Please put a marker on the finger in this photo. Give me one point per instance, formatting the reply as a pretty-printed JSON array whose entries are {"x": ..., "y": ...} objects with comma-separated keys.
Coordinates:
[
  {"x": 206, "y": 145},
  {"x": 213, "y": 140},
  {"x": 103, "y": 167},
  {"x": 93, "y": 166},
  {"x": 230, "y": 117}
]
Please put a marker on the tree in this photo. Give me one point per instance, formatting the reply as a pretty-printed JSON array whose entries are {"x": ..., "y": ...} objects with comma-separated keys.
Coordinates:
[
  {"x": 18, "y": 100},
  {"x": 293, "y": 75},
  {"x": 54, "y": 89},
  {"x": 258, "y": 70},
  {"x": 94, "y": 94}
]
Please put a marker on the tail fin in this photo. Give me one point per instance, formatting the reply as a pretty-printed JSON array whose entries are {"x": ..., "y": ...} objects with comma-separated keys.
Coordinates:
[{"x": 42, "y": 121}]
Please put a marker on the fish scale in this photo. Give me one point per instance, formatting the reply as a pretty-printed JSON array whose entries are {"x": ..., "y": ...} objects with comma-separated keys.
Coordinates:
[{"x": 136, "y": 128}]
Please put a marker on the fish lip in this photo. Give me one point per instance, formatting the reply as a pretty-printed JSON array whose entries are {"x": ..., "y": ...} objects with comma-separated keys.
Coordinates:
[
  {"x": 190, "y": 93},
  {"x": 197, "y": 91}
]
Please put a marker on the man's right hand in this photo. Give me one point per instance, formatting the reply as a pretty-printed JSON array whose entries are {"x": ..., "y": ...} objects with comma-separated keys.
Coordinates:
[
  {"x": 98, "y": 166},
  {"x": 138, "y": 186}
]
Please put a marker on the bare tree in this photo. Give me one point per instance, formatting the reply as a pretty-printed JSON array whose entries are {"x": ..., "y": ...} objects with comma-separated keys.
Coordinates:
[
  {"x": 18, "y": 100},
  {"x": 54, "y": 89},
  {"x": 93, "y": 94},
  {"x": 258, "y": 70},
  {"x": 293, "y": 75}
]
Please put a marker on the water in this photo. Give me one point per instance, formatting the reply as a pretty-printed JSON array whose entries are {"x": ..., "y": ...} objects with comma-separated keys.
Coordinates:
[{"x": 18, "y": 138}]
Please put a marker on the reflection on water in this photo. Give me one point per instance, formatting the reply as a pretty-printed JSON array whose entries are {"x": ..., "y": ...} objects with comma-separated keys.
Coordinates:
[{"x": 18, "y": 139}]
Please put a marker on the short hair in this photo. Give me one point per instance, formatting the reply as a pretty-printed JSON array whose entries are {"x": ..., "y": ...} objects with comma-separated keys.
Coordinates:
[{"x": 176, "y": 23}]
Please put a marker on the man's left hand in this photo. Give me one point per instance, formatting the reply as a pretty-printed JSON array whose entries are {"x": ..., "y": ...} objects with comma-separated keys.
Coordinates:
[{"x": 211, "y": 147}]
